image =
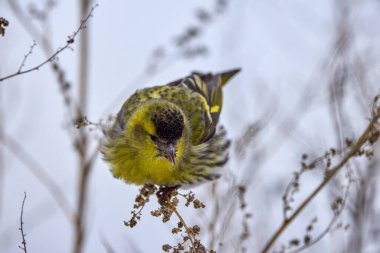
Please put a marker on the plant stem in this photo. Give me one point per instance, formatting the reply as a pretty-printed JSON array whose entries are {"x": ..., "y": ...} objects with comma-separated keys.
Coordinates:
[
  {"x": 82, "y": 140},
  {"x": 355, "y": 148}
]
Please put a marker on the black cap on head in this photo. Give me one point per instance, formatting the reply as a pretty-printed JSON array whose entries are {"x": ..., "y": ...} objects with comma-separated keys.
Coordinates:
[{"x": 169, "y": 124}]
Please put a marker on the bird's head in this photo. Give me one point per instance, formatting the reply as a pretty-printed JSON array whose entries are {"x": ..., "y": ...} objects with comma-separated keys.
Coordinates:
[{"x": 159, "y": 131}]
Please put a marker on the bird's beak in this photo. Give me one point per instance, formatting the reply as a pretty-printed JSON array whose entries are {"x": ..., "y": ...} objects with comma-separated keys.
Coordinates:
[{"x": 169, "y": 153}]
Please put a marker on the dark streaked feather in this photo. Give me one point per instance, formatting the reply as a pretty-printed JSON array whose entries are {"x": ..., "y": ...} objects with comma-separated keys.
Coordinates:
[{"x": 210, "y": 87}]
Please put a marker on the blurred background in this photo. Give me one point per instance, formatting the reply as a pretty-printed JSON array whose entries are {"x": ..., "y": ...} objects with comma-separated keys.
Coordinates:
[{"x": 310, "y": 71}]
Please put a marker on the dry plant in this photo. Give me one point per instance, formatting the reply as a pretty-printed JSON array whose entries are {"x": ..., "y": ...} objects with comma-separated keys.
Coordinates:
[
  {"x": 3, "y": 23},
  {"x": 189, "y": 241},
  {"x": 364, "y": 146}
]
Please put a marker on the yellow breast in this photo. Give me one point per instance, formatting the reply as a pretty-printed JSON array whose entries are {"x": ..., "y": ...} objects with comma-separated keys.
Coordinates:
[{"x": 149, "y": 170}]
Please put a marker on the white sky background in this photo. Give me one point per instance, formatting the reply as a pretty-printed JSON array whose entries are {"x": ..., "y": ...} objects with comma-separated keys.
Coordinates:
[{"x": 281, "y": 47}]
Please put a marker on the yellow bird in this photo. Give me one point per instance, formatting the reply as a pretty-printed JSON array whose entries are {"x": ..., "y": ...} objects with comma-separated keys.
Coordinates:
[{"x": 168, "y": 135}]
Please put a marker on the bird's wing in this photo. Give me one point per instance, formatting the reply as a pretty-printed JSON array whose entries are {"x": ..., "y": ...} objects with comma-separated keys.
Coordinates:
[{"x": 210, "y": 87}]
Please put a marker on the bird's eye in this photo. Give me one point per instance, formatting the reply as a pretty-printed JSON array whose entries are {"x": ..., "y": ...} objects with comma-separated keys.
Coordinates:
[{"x": 154, "y": 138}]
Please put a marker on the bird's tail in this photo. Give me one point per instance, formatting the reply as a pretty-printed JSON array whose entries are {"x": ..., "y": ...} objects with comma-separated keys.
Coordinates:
[{"x": 227, "y": 75}]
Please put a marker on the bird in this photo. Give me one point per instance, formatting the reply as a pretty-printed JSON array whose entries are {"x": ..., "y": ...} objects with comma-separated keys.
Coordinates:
[{"x": 169, "y": 135}]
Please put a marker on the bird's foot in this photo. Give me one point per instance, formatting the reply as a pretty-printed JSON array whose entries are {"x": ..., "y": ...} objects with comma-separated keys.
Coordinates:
[{"x": 164, "y": 193}]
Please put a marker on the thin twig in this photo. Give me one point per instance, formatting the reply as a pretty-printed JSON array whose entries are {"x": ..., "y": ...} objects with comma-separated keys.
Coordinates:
[
  {"x": 330, "y": 175},
  {"x": 337, "y": 214},
  {"x": 288, "y": 193},
  {"x": 27, "y": 55},
  {"x": 188, "y": 230},
  {"x": 23, "y": 247},
  {"x": 70, "y": 40}
]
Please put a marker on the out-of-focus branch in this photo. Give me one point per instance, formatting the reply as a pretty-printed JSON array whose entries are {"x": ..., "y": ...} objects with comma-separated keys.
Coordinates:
[
  {"x": 2, "y": 162},
  {"x": 69, "y": 41},
  {"x": 184, "y": 47},
  {"x": 30, "y": 27},
  {"x": 107, "y": 246},
  {"x": 363, "y": 211},
  {"x": 339, "y": 76},
  {"x": 82, "y": 138},
  {"x": 27, "y": 159},
  {"x": 215, "y": 214},
  {"x": 369, "y": 133},
  {"x": 84, "y": 59}
]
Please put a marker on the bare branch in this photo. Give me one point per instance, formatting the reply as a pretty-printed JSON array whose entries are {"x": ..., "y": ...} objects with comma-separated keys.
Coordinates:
[
  {"x": 70, "y": 40},
  {"x": 107, "y": 246},
  {"x": 43, "y": 40},
  {"x": 27, "y": 55}
]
